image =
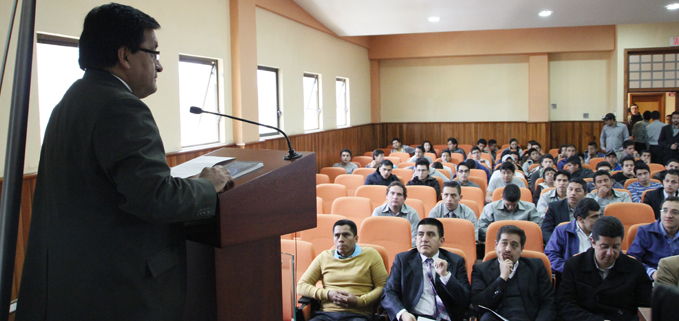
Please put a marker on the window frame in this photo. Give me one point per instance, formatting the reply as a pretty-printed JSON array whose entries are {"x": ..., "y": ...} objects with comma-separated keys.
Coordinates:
[
  {"x": 319, "y": 99},
  {"x": 347, "y": 105},
  {"x": 215, "y": 62},
  {"x": 279, "y": 113}
]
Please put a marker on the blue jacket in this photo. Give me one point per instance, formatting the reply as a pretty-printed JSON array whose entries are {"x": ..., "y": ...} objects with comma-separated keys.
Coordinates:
[
  {"x": 563, "y": 244},
  {"x": 650, "y": 246},
  {"x": 376, "y": 179}
]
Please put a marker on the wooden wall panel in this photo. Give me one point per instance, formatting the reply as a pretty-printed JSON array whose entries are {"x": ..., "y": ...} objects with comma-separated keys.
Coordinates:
[{"x": 579, "y": 133}]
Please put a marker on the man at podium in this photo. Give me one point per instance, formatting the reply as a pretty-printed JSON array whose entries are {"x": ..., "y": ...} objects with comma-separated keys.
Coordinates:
[{"x": 106, "y": 238}]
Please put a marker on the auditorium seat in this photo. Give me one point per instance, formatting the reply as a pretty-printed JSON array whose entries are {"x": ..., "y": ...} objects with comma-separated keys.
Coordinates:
[
  {"x": 363, "y": 160},
  {"x": 462, "y": 254},
  {"x": 394, "y": 160},
  {"x": 322, "y": 179},
  {"x": 319, "y": 205},
  {"x": 532, "y": 230},
  {"x": 353, "y": 208},
  {"x": 526, "y": 195},
  {"x": 351, "y": 181},
  {"x": 403, "y": 157},
  {"x": 655, "y": 167},
  {"x": 444, "y": 172},
  {"x": 364, "y": 172},
  {"x": 333, "y": 172},
  {"x": 404, "y": 165},
  {"x": 546, "y": 190},
  {"x": 407, "y": 174},
  {"x": 461, "y": 235},
  {"x": 418, "y": 206},
  {"x": 321, "y": 236},
  {"x": 383, "y": 253},
  {"x": 483, "y": 184},
  {"x": 392, "y": 233},
  {"x": 474, "y": 206},
  {"x": 631, "y": 234},
  {"x": 329, "y": 192},
  {"x": 478, "y": 173},
  {"x": 456, "y": 158},
  {"x": 594, "y": 161},
  {"x": 630, "y": 214},
  {"x": 440, "y": 180},
  {"x": 431, "y": 155},
  {"x": 426, "y": 194},
  {"x": 376, "y": 193},
  {"x": 474, "y": 194},
  {"x": 466, "y": 148},
  {"x": 528, "y": 254}
]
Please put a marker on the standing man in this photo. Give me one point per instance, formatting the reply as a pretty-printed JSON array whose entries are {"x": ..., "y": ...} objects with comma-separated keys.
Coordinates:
[
  {"x": 653, "y": 134},
  {"x": 396, "y": 207},
  {"x": 427, "y": 281},
  {"x": 451, "y": 207},
  {"x": 613, "y": 134},
  {"x": 640, "y": 133},
  {"x": 669, "y": 140},
  {"x": 107, "y": 236},
  {"x": 383, "y": 175}
]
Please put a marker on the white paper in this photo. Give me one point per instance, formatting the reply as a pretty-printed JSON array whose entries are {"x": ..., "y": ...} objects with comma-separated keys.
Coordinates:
[
  {"x": 495, "y": 313},
  {"x": 196, "y": 165},
  {"x": 424, "y": 319}
]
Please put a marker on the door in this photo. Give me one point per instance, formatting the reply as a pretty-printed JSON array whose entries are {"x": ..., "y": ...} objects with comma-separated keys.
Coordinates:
[{"x": 650, "y": 102}]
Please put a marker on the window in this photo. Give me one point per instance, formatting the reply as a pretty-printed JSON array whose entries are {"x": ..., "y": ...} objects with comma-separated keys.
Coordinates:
[
  {"x": 58, "y": 68},
  {"x": 267, "y": 98},
  {"x": 342, "y": 93},
  {"x": 312, "y": 108},
  {"x": 198, "y": 87}
]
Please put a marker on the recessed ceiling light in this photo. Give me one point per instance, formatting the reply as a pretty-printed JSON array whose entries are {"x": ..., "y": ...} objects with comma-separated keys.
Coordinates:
[
  {"x": 434, "y": 19},
  {"x": 545, "y": 13},
  {"x": 673, "y": 6}
]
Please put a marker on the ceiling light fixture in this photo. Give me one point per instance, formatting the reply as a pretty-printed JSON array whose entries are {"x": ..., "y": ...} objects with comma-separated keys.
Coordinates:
[
  {"x": 545, "y": 13},
  {"x": 673, "y": 6},
  {"x": 434, "y": 19}
]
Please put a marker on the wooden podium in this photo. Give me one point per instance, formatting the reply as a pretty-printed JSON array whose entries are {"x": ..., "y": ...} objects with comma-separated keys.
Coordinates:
[{"x": 234, "y": 260}]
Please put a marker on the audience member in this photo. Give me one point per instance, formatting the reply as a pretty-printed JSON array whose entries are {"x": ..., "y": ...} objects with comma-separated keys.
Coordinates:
[
  {"x": 633, "y": 117},
  {"x": 572, "y": 238},
  {"x": 570, "y": 151},
  {"x": 433, "y": 171},
  {"x": 507, "y": 177},
  {"x": 656, "y": 198},
  {"x": 603, "y": 166},
  {"x": 645, "y": 156},
  {"x": 396, "y": 207},
  {"x": 669, "y": 164},
  {"x": 515, "y": 287},
  {"x": 592, "y": 152},
  {"x": 346, "y": 163},
  {"x": 378, "y": 157},
  {"x": 451, "y": 207},
  {"x": 669, "y": 140},
  {"x": 427, "y": 281},
  {"x": 397, "y": 147},
  {"x": 643, "y": 184},
  {"x": 548, "y": 181},
  {"x": 419, "y": 154},
  {"x": 429, "y": 148},
  {"x": 659, "y": 239},
  {"x": 653, "y": 133},
  {"x": 492, "y": 149},
  {"x": 482, "y": 144},
  {"x": 612, "y": 135},
  {"x": 445, "y": 156},
  {"x": 639, "y": 132},
  {"x": 533, "y": 158},
  {"x": 510, "y": 207},
  {"x": 514, "y": 145},
  {"x": 422, "y": 177},
  {"x": 627, "y": 170},
  {"x": 668, "y": 271},
  {"x": 563, "y": 210},
  {"x": 383, "y": 175},
  {"x": 452, "y": 147},
  {"x": 575, "y": 168},
  {"x": 612, "y": 158},
  {"x": 545, "y": 161},
  {"x": 605, "y": 194},
  {"x": 463, "y": 171},
  {"x": 353, "y": 277},
  {"x": 558, "y": 193},
  {"x": 601, "y": 284},
  {"x": 481, "y": 163},
  {"x": 628, "y": 150}
]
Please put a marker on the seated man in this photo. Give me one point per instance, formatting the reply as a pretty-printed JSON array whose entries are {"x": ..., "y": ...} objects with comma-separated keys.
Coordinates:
[
  {"x": 612, "y": 158},
  {"x": 510, "y": 207},
  {"x": 643, "y": 184},
  {"x": 397, "y": 147},
  {"x": 605, "y": 194},
  {"x": 451, "y": 207},
  {"x": 481, "y": 163},
  {"x": 561, "y": 179},
  {"x": 378, "y": 157},
  {"x": 433, "y": 171},
  {"x": 575, "y": 168},
  {"x": 463, "y": 171},
  {"x": 506, "y": 177},
  {"x": 563, "y": 211},
  {"x": 452, "y": 147},
  {"x": 383, "y": 175},
  {"x": 353, "y": 278},
  {"x": 419, "y": 153},
  {"x": 396, "y": 207},
  {"x": 573, "y": 238},
  {"x": 492, "y": 149},
  {"x": 427, "y": 281},
  {"x": 657, "y": 197},
  {"x": 482, "y": 144},
  {"x": 603, "y": 166},
  {"x": 445, "y": 158},
  {"x": 668, "y": 271},
  {"x": 515, "y": 287},
  {"x": 592, "y": 152},
  {"x": 533, "y": 158},
  {"x": 546, "y": 160},
  {"x": 602, "y": 284},
  {"x": 645, "y": 156},
  {"x": 670, "y": 164},
  {"x": 659, "y": 239},
  {"x": 627, "y": 170},
  {"x": 346, "y": 163},
  {"x": 570, "y": 152},
  {"x": 422, "y": 177},
  {"x": 628, "y": 149}
]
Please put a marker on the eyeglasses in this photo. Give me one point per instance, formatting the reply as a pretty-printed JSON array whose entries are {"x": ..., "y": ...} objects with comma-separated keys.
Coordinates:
[
  {"x": 673, "y": 212},
  {"x": 156, "y": 54}
]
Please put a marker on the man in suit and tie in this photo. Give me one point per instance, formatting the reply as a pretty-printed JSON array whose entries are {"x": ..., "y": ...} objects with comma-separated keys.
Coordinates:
[
  {"x": 656, "y": 198},
  {"x": 428, "y": 281},
  {"x": 515, "y": 287},
  {"x": 602, "y": 284},
  {"x": 669, "y": 138},
  {"x": 562, "y": 211}
]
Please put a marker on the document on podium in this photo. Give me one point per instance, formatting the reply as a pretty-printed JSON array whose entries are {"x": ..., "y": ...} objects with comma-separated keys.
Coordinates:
[{"x": 196, "y": 165}]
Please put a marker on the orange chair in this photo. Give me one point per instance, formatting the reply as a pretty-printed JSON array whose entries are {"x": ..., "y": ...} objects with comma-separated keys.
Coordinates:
[
  {"x": 655, "y": 172},
  {"x": 464, "y": 257},
  {"x": 475, "y": 194},
  {"x": 319, "y": 205},
  {"x": 525, "y": 182},
  {"x": 304, "y": 254},
  {"x": 363, "y": 160},
  {"x": 444, "y": 172},
  {"x": 643, "y": 195},
  {"x": 538, "y": 181},
  {"x": 554, "y": 152},
  {"x": 531, "y": 167},
  {"x": 404, "y": 165},
  {"x": 321, "y": 236},
  {"x": 466, "y": 148},
  {"x": 474, "y": 206},
  {"x": 487, "y": 157},
  {"x": 369, "y": 154},
  {"x": 596, "y": 160},
  {"x": 478, "y": 173},
  {"x": 382, "y": 251},
  {"x": 630, "y": 214},
  {"x": 403, "y": 180},
  {"x": 528, "y": 254},
  {"x": 546, "y": 190},
  {"x": 392, "y": 233},
  {"x": 322, "y": 179},
  {"x": 351, "y": 181},
  {"x": 394, "y": 160},
  {"x": 426, "y": 194},
  {"x": 376, "y": 193},
  {"x": 504, "y": 146},
  {"x": 364, "y": 172},
  {"x": 632, "y": 233},
  {"x": 431, "y": 155},
  {"x": 532, "y": 230},
  {"x": 333, "y": 172},
  {"x": 440, "y": 180},
  {"x": 403, "y": 157},
  {"x": 464, "y": 237},
  {"x": 633, "y": 180},
  {"x": 588, "y": 166},
  {"x": 418, "y": 206},
  {"x": 656, "y": 167},
  {"x": 456, "y": 157},
  {"x": 452, "y": 167},
  {"x": 407, "y": 174},
  {"x": 329, "y": 192},
  {"x": 353, "y": 208},
  {"x": 526, "y": 195},
  {"x": 483, "y": 184},
  {"x": 440, "y": 147}
]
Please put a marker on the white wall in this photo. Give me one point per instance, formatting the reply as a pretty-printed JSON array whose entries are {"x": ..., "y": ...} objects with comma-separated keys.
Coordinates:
[
  {"x": 295, "y": 49},
  {"x": 486, "y": 88}
]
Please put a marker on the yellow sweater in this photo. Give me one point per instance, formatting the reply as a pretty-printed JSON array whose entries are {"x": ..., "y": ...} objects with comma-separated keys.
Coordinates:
[{"x": 363, "y": 275}]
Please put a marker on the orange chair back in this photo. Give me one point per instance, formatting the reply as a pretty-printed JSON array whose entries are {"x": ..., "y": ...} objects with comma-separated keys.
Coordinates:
[
  {"x": 528, "y": 254},
  {"x": 525, "y": 182},
  {"x": 474, "y": 206},
  {"x": 526, "y": 195},
  {"x": 304, "y": 254},
  {"x": 478, "y": 173},
  {"x": 546, "y": 190},
  {"x": 504, "y": 146},
  {"x": 596, "y": 160},
  {"x": 440, "y": 147},
  {"x": 531, "y": 167},
  {"x": 532, "y": 230},
  {"x": 329, "y": 192},
  {"x": 322, "y": 179},
  {"x": 377, "y": 194},
  {"x": 321, "y": 236},
  {"x": 464, "y": 237},
  {"x": 487, "y": 157},
  {"x": 403, "y": 157},
  {"x": 364, "y": 172},
  {"x": 656, "y": 167},
  {"x": 466, "y": 148},
  {"x": 440, "y": 180},
  {"x": 456, "y": 157},
  {"x": 404, "y": 165},
  {"x": 392, "y": 233},
  {"x": 394, "y": 160},
  {"x": 630, "y": 214},
  {"x": 588, "y": 166},
  {"x": 353, "y": 208},
  {"x": 426, "y": 194},
  {"x": 383, "y": 253},
  {"x": 369, "y": 154},
  {"x": 538, "y": 181},
  {"x": 475, "y": 194},
  {"x": 444, "y": 172},
  {"x": 319, "y": 205},
  {"x": 351, "y": 181},
  {"x": 452, "y": 166},
  {"x": 406, "y": 174},
  {"x": 643, "y": 195},
  {"x": 632, "y": 233},
  {"x": 418, "y": 206},
  {"x": 431, "y": 155},
  {"x": 333, "y": 172},
  {"x": 483, "y": 184},
  {"x": 363, "y": 160},
  {"x": 464, "y": 257}
]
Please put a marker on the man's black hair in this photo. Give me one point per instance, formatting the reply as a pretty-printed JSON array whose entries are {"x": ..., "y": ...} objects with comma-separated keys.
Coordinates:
[{"x": 608, "y": 226}]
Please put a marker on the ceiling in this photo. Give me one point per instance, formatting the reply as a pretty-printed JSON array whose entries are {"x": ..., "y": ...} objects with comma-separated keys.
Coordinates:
[{"x": 380, "y": 17}]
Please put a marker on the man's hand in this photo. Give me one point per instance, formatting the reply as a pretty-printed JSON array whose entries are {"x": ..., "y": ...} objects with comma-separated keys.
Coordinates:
[
  {"x": 654, "y": 275},
  {"x": 333, "y": 296},
  {"x": 346, "y": 299},
  {"x": 506, "y": 268},
  {"x": 408, "y": 317},
  {"x": 603, "y": 190},
  {"x": 674, "y": 146},
  {"x": 441, "y": 267},
  {"x": 219, "y": 176}
]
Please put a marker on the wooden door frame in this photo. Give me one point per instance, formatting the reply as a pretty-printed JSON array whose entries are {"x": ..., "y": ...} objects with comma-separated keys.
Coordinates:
[
  {"x": 662, "y": 99},
  {"x": 637, "y": 51}
]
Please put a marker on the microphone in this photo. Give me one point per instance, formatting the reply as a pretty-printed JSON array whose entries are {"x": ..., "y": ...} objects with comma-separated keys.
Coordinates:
[{"x": 291, "y": 152}]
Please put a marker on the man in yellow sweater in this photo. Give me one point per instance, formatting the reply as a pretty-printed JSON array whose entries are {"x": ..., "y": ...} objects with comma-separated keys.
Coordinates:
[{"x": 353, "y": 278}]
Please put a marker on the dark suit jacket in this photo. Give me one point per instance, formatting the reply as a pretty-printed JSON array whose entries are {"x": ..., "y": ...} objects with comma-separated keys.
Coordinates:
[
  {"x": 536, "y": 288},
  {"x": 558, "y": 212},
  {"x": 584, "y": 295},
  {"x": 106, "y": 239},
  {"x": 405, "y": 284},
  {"x": 655, "y": 198},
  {"x": 666, "y": 139}
]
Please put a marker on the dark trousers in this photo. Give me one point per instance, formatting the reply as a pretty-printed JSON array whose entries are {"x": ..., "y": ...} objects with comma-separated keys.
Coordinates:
[
  {"x": 639, "y": 147},
  {"x": 339, "y": 316},
  {"x": 656, "y": 154}
]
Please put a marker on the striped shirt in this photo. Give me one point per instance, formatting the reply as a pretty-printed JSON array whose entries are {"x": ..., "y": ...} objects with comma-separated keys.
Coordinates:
[{"x": 637, "y": 190}]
